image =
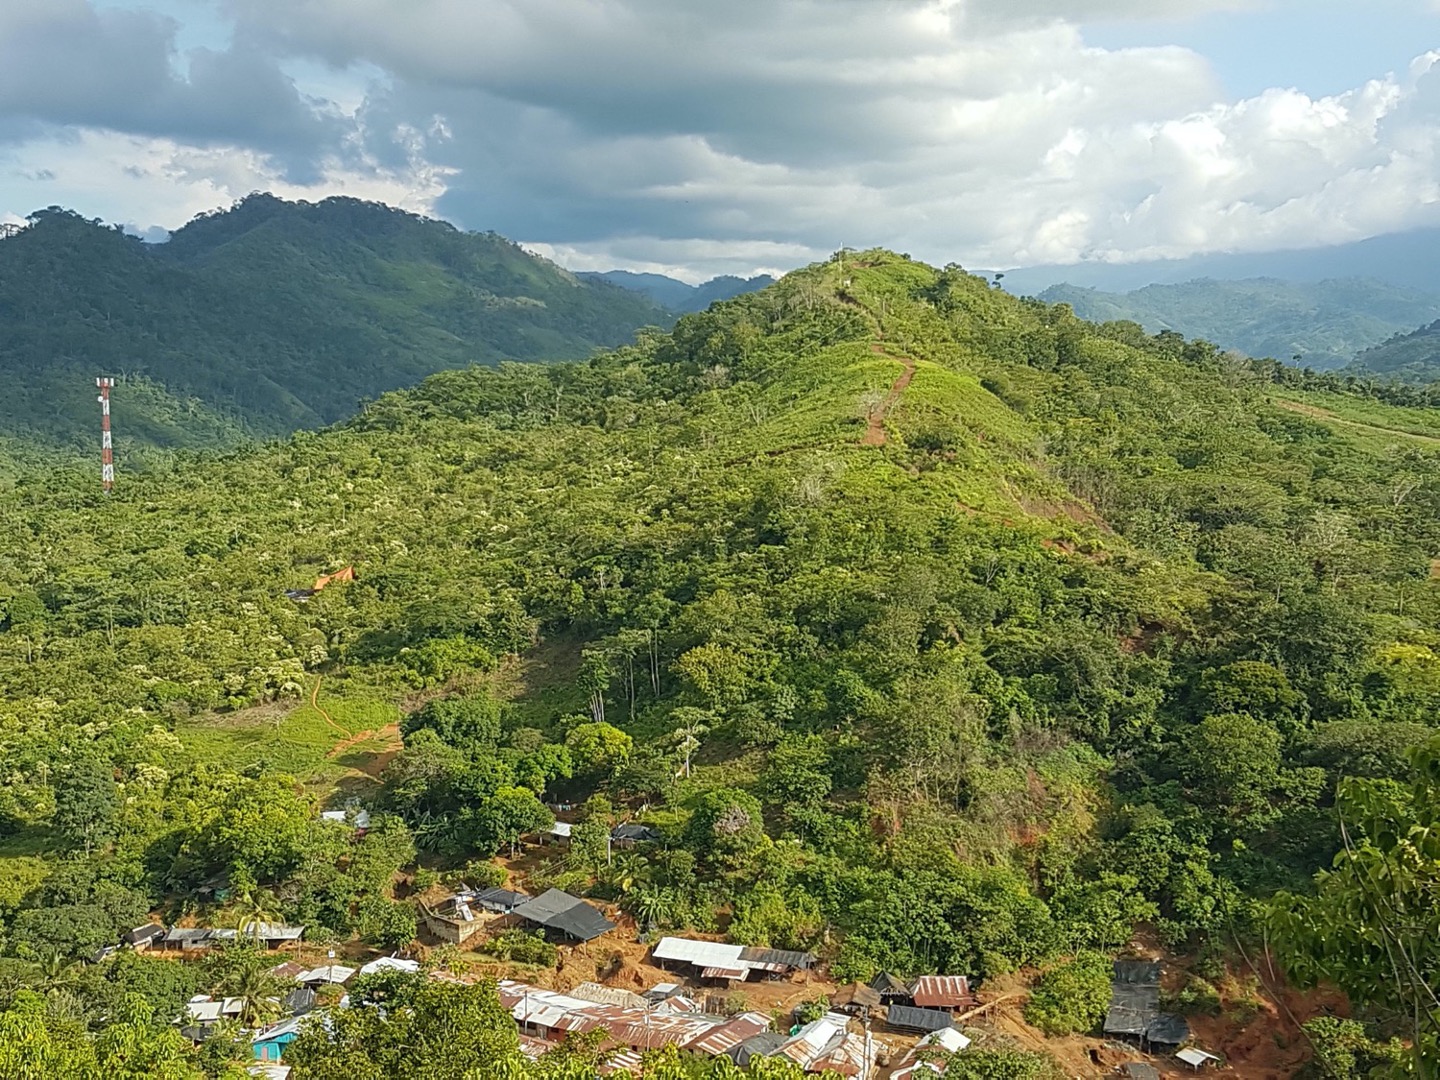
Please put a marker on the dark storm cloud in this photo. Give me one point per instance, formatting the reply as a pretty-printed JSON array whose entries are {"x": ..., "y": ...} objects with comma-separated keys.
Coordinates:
[{"x": 62, "y": 62}]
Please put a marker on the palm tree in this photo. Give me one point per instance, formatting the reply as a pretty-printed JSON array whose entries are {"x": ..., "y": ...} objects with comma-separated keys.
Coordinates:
[
  {"x": 259, "y": 993},
  {"x": 254, "y": 908}
]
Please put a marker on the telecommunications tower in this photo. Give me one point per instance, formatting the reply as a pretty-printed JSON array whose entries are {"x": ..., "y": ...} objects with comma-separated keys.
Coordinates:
[{"x": 107, "y": 453}]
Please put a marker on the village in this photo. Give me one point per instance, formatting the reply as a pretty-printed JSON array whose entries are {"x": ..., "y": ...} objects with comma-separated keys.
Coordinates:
[{"x": 705, "y": 997}]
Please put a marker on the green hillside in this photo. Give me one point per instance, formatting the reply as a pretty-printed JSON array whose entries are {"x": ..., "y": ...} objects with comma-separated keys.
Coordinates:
[
  {"x": 1324, "y": 323},
  {"x": 1413, "y": 357},
  {"x": 270, "y": 316},
  {"x": 934, "y": 629},
  {"x": 676, "y": 295}
]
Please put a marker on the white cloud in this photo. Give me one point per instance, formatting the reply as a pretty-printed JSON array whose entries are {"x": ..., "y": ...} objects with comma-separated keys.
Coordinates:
[{"x": 685, "y": 135}]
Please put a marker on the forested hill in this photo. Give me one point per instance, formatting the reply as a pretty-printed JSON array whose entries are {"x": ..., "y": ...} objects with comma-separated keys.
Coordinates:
[
  {"x": 676, "y": 295},
  {"x": 1324, "y": 323},
  {"x": 1413, "y": 357},
  {"x": 271, "y": 316},
  {"x": 934, "y": 630}
]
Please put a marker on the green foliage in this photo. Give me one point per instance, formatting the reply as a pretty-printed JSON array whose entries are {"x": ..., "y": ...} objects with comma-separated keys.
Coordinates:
[
  {"x": 1071, "y": 997},
  {"x": 271, "y": 316},
  {"x": 1343, "y": 1050},
  {"x": 471, "y": 722},
  {"x": 386, "y": 924},
  {"x": 522, "y": 947}
]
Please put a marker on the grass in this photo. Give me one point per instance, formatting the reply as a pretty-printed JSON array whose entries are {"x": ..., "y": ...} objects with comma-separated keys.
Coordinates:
[{"x": 1366, "y": 420}]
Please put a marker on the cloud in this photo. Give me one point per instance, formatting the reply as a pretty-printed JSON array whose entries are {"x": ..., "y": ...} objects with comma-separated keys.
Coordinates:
[
  {"x": 686, "y": 135},
  {"x": 66, "y": 63}
]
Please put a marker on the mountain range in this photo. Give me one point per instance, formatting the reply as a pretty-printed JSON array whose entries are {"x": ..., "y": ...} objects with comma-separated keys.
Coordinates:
[
  {"x": 678, "y": 296},
  {"x": 1320, "y": 324},
  {"x": 271, "y": 316}
]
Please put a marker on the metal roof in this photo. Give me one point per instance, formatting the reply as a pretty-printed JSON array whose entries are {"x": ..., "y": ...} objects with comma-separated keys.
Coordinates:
[
  {"x": 757, "y": 1046},
  {"x": 504, "y": 900},
  {"x": 699, "y": 953},
  {"x": 326, "y": 973},
  {"x": 608, "y": 995},
  {"x": 889, "y": 986},
  {"x": 731, "y": 973},
  {"x": 148, "y": 932},
  {"x": 943, "y": 990},
  {"x": 1196, "y": 1057},
  {"x": 569, "y": 914},
  {"x": 390, "y": 963},
  {"x": 560, "y": 828},
  {"x": 1139, "y": 972},
  {"x": 859, "y": 994},
  {"x": 907, "y": 1016},
  {"x": 361, "y": 821},
  {"x": 638, "y": 833},
  {"x": 1167, "y": 1028},
  {"x": 1120, "y": 1020},
  {"x": 182, "y": 933},
  {"x": 732, "y": 1033},
  {"x": 776, "y": 958},
  {"x": 1138, "y": 1070}
]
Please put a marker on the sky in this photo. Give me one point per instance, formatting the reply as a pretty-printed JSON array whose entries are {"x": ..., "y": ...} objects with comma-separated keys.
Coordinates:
[{"x": 693, "y": 138}]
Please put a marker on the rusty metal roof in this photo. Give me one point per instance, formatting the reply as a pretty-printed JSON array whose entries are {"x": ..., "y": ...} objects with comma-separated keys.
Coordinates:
[{"x": 945, "y": 991}]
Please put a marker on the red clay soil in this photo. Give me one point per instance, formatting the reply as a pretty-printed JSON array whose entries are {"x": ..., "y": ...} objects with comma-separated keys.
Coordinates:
[{"x": 875, "y": 430}]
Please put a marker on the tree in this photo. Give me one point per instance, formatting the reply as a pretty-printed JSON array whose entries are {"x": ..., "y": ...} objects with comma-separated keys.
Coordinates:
[
  {"x": 86, "y": 801},
  {"x": 471, "y": 722},
  {"x": 690, "y": 724},
  {"x": 726, "y": 824},
  {"x": 598, "y": 748},
  {"x": 386, "y": 924},
  {"x": 1371, "y": 926},
  {"x": 1071, "y": 998}
]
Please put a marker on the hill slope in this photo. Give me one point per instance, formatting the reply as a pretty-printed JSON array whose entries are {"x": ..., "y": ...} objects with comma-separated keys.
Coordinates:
[
  {"x": 1043, "y": 628},
  {"x": 1325, "y": 322},
  {"x": 1412, "y": 357},
  {"x": 676, "y": 295},
  {"x": 271, "y": 316}
]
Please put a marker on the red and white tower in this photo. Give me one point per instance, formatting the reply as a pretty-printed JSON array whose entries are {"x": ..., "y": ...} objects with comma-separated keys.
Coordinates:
[{"x": 107, "y": 452}]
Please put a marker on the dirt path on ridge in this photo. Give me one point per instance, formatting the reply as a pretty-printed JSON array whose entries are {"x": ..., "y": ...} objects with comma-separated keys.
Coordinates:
[
  {"x": 315, "y": 704},
  {"x": 875, "y": 430}
]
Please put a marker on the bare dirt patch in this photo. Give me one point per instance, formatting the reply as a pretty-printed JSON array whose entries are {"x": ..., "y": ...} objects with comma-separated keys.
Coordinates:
[{"x": 875, "y": 429}]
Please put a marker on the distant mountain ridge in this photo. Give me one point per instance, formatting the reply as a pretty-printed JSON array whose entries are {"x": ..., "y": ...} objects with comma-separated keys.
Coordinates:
[
  {"x": 271, "y": 316},
  {"x": 1324, "y": 323},
  {"x": 1412, "y": 357},
  {"x": 677, "y": 296}
]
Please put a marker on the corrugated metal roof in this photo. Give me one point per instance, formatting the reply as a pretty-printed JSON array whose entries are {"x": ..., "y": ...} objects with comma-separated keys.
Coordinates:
[
  {"x": 569, "y": 914},
  {"x": 560, "y": 828},
  {"x": 731, "y": 973},
  {"x": 699, "y": 953},
  {"x": 946, "y": 991},
  {"x": 776, "y": 958},
  {"x": 907, "y": 1016},
  {"x": 732, "y": 1033},
  {"x": 390, "y": 963},
  {"x": 608, "y": 995}
]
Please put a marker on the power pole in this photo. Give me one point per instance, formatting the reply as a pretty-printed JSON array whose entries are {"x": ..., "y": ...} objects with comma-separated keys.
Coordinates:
[{"x": 107, "y": 452}]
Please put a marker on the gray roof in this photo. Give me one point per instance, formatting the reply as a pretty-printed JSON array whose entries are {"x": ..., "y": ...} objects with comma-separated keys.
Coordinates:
[
  {"x": 1169, "y": 1029},
  {"x": 781, "y": 957},
  {"x": 1140, "y": 972},
  {"x": 907, "y": 1016},
  {"x": 638, "y": 833},
  {"x": 757, "y": 1046},
  {"x": 890, "y": 986},
  {"x": 148, "y": 932},
  {"x": 1138, "y": 1070},
  {"x": 502, "y": 900},
  {"x": 180, "y": 933},
  {"x": 570, "y": 915}
]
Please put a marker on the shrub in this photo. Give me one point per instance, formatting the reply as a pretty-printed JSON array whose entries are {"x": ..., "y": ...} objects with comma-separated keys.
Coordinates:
[
  {"x": 1071, "y": 997},
  {"x": 522, "y": 948}
]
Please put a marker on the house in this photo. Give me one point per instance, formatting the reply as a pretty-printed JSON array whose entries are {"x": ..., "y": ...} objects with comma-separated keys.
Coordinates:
[
  {"x": 827, "y": 1045},
  {"x": 142, "y": 937},
  {"x": 269, "y": 1071},
  {"x": 609, "y": 995},
  {"x": 892, "y": 990},
  {"x": 325, "y": 975},
  {"x": 765, "y": 1044},
  {"x": 661, "y": 991},
  {"x": 269, "y": 1043},
  {"x": 942, "y": 992},
  {"x": 627, "y": 836},
  {"x": 725, "y": 962},
  {"x": 559, "y": 832},
  {"x": 1138, "y": 1070},
  {"x": 566, "y": 914},
  {"x": 273, "y": 935},
  {"x": 910, "y": 1018},
  {"x": 855, "y": 998},
  {"x": 453, "y": 919},
  {"x": 184, "y": 939},
  {"x": 390, "y": 963},
  {"x": 1197, "y": 1059},
  {"x": 498, "y": 901},
  {"x": 358, "y": 819},
  {"x": 299, "y": 1001},
  {"x": 925, "y": 1058},
  {"x": 1135, "y": 1007}
]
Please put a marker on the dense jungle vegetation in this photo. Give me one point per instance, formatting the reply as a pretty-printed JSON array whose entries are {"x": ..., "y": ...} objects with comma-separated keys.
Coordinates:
[
  {"x": 270, "y": 316},
  {"x": 936, "y": 630}
]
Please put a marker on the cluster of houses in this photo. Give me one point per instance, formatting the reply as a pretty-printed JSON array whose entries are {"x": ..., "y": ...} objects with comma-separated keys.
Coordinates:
[
  {"x": 184, "y": 939},
  {"x": 204, "y": 1013},
  {"x": 664, "y": 1017}
]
